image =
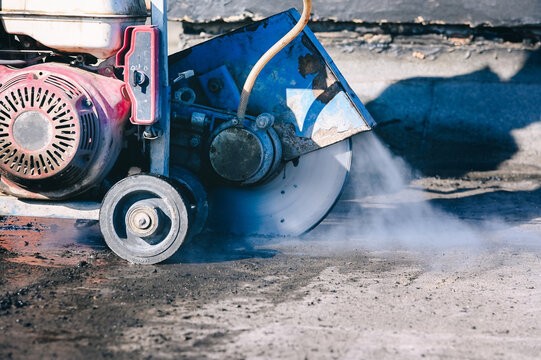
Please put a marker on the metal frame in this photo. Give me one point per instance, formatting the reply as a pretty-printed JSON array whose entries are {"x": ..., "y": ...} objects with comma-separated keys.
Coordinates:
[
  {"x": 159, "y": 148},
  {"x": 11, "y": 206}
]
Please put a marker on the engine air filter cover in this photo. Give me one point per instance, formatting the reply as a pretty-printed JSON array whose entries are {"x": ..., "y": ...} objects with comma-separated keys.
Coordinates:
[{"x": 49, "y": 129}]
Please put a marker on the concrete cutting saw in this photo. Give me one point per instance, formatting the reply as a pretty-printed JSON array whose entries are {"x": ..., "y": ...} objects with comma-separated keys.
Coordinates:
[{"x": 247, "y": 133}]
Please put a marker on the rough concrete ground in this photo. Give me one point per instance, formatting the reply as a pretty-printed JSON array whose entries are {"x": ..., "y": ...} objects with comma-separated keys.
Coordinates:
[
  {"x": 463, "y": 283},
  {"x": 386, "y": 276}
]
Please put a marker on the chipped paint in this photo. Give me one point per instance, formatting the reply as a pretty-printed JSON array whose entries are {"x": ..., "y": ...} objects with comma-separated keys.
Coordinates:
[{"x": 301, "y": 86}]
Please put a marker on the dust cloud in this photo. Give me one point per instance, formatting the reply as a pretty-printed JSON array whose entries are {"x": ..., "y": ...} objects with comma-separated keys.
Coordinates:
[
  {"x": 381, "y": 211},
  {"x": 386, "y": 212}
]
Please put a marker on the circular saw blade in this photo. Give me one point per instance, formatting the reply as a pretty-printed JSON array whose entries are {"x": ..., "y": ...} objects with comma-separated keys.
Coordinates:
[{"x": 292, "y": 203}]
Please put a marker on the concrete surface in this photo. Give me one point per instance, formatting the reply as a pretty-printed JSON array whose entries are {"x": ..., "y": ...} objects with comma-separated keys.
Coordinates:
[
  {"x": 471, "y": 12},
  {"x": 404, "y": 267}
]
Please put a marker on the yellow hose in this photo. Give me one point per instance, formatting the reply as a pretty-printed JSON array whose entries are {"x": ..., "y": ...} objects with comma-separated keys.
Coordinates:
[{"x": 275, "y": 49}]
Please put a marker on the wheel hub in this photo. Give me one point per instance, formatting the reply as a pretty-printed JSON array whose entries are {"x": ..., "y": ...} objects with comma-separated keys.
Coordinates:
[
  {"x": 244, "y": 154},
  {"x": 143, "y": 220},
  {"x": 236, "y": 154}
]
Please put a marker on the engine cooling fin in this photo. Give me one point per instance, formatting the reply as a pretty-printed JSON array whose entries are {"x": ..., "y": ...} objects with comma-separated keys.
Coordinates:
[{"x": 49, "y": 130}]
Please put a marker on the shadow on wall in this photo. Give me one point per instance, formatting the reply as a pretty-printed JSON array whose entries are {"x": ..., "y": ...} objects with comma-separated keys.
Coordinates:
[{"x": 465, "y": 122}]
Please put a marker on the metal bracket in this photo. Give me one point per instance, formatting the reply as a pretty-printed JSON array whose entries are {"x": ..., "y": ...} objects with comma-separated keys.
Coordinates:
[
  {"x": 152, "y": 132},
  {"x": 11, "y": 206},
  {"x": 184, "y": 75}
]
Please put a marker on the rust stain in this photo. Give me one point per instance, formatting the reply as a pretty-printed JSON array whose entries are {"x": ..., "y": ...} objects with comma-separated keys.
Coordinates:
[
  {"x": 325, "y": 85},
  {"x": 48, "y": 242},
  {"x": 293, "y": 146},
  {"x": 325, "y": 137}
]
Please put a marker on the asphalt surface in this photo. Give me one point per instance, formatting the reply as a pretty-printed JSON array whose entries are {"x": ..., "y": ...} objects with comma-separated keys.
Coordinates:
[{"x": 404, "y": 267}]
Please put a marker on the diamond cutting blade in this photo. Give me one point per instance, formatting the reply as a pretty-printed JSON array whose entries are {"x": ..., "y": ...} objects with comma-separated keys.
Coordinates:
[{"x": 292, "y": 203}]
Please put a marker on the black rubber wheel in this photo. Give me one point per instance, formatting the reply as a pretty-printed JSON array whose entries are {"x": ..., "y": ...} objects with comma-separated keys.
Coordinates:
[
  {"x": 196, "y": 195},
  {"x": 144, "y": 219}
]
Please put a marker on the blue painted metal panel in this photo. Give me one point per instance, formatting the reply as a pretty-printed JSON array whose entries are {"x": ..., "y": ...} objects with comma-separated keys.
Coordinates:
[
  {"x": 220, "y": 88},
  {"x": 301, "y": 86}
]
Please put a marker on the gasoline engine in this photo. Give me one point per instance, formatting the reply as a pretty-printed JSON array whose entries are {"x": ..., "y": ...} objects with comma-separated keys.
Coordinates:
[
  {"x": 61, "y": 130},
  {"x": 233, "y": 135}
]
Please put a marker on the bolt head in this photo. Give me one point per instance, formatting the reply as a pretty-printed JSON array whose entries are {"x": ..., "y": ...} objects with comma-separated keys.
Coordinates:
[
  {"x": 142, "y": 221},
  {"x": 215, "y": 85},
  {"x": 87, "y": 102},
  {"x": 194, "y": 142},
  {"x": 264, "y": 121}
]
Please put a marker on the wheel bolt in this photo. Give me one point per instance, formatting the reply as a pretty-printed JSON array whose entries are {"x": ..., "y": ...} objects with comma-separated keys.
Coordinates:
[{"x": 142, "y": 221}]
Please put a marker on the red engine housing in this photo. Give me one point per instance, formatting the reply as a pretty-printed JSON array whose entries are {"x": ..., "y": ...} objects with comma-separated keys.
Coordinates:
[{"x": 61, "y": 130}]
